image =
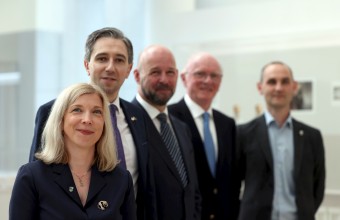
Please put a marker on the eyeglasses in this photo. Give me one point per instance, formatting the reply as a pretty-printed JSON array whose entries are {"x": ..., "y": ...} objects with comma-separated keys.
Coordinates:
[{"x": 215, "y": 77}]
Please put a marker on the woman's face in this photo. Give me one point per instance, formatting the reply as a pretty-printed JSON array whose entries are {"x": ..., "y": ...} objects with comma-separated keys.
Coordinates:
[{"x": 84, "y": 122}]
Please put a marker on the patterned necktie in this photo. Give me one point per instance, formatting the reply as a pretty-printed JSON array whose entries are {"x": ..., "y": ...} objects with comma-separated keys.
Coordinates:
[
  {"x": 120, "y": 149},
  {"x": 173, "y": 147},
  {"x": 209, "y": 144}
]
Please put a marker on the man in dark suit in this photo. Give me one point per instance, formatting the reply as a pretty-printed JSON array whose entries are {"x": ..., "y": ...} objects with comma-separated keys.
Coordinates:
[
  {"x": 281, "y": 160},
  {"x": 108, "y": 62},
  {"x": 202, "y": 78},
  {"x": 177, "y": 191}
]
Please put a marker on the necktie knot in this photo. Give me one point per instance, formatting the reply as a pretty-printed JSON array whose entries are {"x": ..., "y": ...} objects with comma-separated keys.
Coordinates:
[
  {"x": 113, "y": 109},
  {"x": 206, "y": 116},
  {"x": 162, "y": 118}
]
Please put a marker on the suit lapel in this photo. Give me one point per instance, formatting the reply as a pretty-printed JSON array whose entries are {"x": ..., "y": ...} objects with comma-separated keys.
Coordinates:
[
  {"x": 183, "y": 150},
  {"x": 263, "y": 140},
  {"x": 157, "y": 143},
  {"x": 130, "y": 117},
  {"x": 97, "y": 183},
  {"x": 222, "y": 141},
  {"x": 298, "y": 146},
  {"x": 133, "y": 122},
  {"x": 64, "y": 179}
]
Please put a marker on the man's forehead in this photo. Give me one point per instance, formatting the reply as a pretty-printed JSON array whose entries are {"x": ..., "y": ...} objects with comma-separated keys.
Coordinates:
[
  {"x": 107, "y": 45},
  {"x": 276, "y": 76}
]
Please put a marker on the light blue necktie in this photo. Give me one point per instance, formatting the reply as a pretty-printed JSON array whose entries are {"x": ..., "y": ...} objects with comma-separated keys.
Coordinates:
[{"x": 209, "y": 144}]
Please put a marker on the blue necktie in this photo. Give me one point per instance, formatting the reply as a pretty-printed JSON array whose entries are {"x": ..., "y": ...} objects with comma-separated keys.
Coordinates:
[
  {"x": 209, "y": 144},
  {"x": 120, "y": 149},
  {"x": 173, "y": 147}
]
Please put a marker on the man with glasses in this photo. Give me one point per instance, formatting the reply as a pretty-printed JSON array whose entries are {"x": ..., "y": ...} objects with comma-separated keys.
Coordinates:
[{"x": 213, "y": 137}]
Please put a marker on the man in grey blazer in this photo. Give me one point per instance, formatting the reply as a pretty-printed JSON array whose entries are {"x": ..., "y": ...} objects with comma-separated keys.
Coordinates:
[
  {"x": 202, "y": 76},
  {"x": 177, "y": 191},
  {"x": 281, "y": 160}
]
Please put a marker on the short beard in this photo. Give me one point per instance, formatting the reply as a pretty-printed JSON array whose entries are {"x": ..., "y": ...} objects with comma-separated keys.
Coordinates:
[{"x": 154, "y": 99}]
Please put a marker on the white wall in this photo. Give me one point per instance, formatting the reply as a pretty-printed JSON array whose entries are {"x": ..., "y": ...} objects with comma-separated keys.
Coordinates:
[
  {"x": 305, "y": 34},
  {"x": 17, "y": 15}
]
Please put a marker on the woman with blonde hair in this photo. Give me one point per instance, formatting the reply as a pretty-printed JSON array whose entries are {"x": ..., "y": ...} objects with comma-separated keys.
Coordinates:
[{"x": 76, "y": 175}]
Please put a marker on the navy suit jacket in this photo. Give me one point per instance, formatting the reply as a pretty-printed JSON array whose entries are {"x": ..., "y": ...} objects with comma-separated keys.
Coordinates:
[
  {"x": 136, "y": 122},
  {"x": 220, "y": 197},
  {"x": 256, "y": 168},
  {"x": 44, "y": 191},
  {"x": 173, "y": 201}
]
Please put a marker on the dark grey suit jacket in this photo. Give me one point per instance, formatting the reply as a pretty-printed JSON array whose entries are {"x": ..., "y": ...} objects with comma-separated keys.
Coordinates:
[
  {"x": 220, "y": 195},
  {"x": 173, "y": 201},
  {"x": 256, "y": 168},
  {"x": 136, "y": 122},
  {"x": 48, "y": 192}
]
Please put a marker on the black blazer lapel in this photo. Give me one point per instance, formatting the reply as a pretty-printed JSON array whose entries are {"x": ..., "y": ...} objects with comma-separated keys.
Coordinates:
[
  {"x": 298, "y": 146},
  {"x": 134, "y": 121},
  {"x": 263, "y": 140},
  {"x": 223, "y": 144},
  {"x": 160, "y": 147},
  {"x": 97, "y": 183},
  {"x": 64, "y": 179},
  {"x": 182, "y": 112},
  {"x": 183, "y": 143},
  {"x": 156, "y": 142}
]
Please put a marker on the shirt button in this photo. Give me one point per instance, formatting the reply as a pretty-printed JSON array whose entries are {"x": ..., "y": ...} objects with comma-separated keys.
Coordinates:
[
  {"x": 215, "y": 191},
  {"x": 212, "y": 216}
]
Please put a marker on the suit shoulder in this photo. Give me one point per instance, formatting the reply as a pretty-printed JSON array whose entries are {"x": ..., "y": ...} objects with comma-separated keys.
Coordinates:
[
  {"x": 177, "y": 107},
  {"x": 177, "y": 121},
  {"x": 251, "y": 125},
  {"x": 32, "y": 167},
  {"x": 47, "y": 106},
  {"x": 130, "y": 107},
  {"x": 306, "y": 126},
  {"x": 221, "y": 116}
]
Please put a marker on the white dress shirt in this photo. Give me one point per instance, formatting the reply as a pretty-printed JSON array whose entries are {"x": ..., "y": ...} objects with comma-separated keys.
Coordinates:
[{"x": 197, "y": 113}]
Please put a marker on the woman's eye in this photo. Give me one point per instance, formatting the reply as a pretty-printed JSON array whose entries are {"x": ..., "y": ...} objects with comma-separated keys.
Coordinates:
[
  {"x": 76, "y": 110},
  {"x": 99, "y": 112}
]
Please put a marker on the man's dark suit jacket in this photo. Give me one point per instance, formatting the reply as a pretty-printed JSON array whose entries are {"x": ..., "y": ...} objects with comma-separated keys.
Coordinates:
[
  {"x": 219, "y": 195},
  {"x": 256, "y": 168},
  {"x": 136, "y": 122},
  {"x": 173, "y": 201},
  {"x": 44, "y": 191}
]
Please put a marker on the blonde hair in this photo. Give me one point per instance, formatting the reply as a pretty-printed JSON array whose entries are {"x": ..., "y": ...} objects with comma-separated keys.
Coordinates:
[{"x": 53, "y": 146}]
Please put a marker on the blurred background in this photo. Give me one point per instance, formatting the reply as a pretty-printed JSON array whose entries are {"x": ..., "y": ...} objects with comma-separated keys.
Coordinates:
[{"x": 42, "y": 49}]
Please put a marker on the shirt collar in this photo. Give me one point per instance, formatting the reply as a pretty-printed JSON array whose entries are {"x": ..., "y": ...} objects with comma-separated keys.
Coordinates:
[
  {"x": 151, "y": 110},
  {"x": 194, "y": 108},
  {"x": 270, "y": 119}
]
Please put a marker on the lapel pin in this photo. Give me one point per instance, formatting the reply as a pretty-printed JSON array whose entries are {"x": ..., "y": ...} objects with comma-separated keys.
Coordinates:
[
  {"x": 133, "y": 118},
  {"x": 102, "y": 205},
  {"x": 301, "y": 132},
  {"x": 71, "y": 188}
]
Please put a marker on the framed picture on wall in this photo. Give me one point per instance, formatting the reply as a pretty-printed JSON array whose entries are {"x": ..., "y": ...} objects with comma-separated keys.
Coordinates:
[
  {"x": 303, "y": 99},
  {"x": 336, "y": 93}
]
